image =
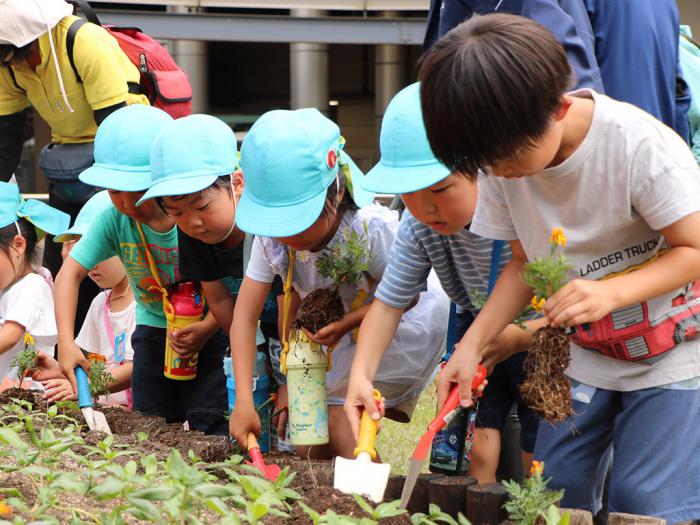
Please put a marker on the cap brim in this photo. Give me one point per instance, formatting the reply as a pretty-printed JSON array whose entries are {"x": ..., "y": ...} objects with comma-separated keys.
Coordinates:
[
  {"x": 280, "y": 221},
  {"x": 403, "y": 179},
  {"x": 178, "y": 186},
  {"x": 117, "y": 180},
  {"x": 360, "y": 195},
  {"x": 67, "y": 235}
]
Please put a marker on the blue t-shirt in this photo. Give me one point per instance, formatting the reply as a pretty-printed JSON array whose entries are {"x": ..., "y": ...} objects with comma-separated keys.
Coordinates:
[
  {"x": 566, "y": 19},
  {"x": 112, "y": 234}
]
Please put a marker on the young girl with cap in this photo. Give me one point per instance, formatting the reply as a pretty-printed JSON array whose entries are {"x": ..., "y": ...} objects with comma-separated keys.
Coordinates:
[
  {"x": 122, "y": 165},
  {"x": 26, "y": 298},
  {"x": 301, "y": 197}
]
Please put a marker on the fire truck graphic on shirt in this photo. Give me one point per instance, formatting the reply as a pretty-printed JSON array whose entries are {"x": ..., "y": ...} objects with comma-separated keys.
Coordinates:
[{"x": 635, "y": 333}]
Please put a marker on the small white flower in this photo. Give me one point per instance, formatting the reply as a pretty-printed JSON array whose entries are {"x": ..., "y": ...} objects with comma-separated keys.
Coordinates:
[
  {"x": 303, "y": 256},
  {"x": 345, "y": 233}
]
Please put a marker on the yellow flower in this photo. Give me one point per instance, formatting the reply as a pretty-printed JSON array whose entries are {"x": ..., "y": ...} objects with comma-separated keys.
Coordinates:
[
  {"x": 5, "y": 511},
  {"x": 28, "y": 339},
  {"x": 537, "y": 304},
  {"x": 536, "y": 468},
  {"x": 558, "y": 237}
]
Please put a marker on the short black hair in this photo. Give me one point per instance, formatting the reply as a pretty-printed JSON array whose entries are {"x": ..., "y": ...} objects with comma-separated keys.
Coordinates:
[
  {"x": 28, "y": 231},
  {"x": 221, "y": 182},
  {"x": 489, "y": 88},
  {"x": 10, "y": 53}
]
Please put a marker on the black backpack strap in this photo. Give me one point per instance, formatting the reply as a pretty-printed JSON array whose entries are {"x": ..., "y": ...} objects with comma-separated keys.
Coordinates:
[
  {"x": 70, "y": 43},
  {"x": 87, "y": 10}
]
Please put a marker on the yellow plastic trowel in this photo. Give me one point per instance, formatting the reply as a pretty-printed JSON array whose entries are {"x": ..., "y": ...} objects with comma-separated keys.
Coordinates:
[{"x": 361, "y": 475}]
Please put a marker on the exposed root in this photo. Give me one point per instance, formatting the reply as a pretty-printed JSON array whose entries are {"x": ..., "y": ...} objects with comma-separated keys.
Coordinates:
[{"x": 546, "y": 388}]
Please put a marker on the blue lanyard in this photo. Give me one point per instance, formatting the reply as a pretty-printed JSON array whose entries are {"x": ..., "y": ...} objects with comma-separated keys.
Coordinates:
[{"x": 496, "y": 252}]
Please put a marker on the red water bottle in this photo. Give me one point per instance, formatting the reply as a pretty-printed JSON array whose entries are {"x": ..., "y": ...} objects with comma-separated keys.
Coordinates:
[{"x": 184, "y": 308}]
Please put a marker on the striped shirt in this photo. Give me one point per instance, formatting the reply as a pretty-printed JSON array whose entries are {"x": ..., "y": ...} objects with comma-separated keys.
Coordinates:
[{"x": 462, "y": 262}]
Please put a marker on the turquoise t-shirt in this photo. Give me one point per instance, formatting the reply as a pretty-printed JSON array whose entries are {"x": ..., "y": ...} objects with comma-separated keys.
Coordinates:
[{"x": 115, "y": 234}]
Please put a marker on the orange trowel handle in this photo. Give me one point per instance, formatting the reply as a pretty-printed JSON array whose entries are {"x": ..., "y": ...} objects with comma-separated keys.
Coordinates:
[
  {"x": 368, "y": 430},
  {"x": 254, "y": 452},
  {"x": 452, "y": 402}
]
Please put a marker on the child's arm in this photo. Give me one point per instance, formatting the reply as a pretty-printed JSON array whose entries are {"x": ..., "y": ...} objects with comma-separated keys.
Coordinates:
[
  {"x": 333, "y": 332},
  {"x": 249, "y": 304},
  {"x": 509, "y": 297},
  {"x": 582, "y": 301},
  {"x": 10, "y": 334},
  {"x": 66, "y": 291},
  {"x": 376, "y": 333},
  {"x": 220, "y": 302},
  {"x": 122, "y": 377}
]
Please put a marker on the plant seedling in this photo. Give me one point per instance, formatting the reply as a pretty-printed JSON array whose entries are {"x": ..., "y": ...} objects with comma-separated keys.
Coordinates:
[
  {"x": 25, "y": 362},
  {"x": 546, "y": 387}
]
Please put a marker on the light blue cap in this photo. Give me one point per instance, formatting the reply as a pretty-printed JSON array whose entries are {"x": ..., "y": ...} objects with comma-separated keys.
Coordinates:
[
  {"x": 86, "y": 216},
  {"x": 407, "y": 163},
  {"x": 123, "y": 146},
  {"x": 189, "y": 155},
  {"x": 289, "y": 159},
  {"x": 44, "y": 218}
]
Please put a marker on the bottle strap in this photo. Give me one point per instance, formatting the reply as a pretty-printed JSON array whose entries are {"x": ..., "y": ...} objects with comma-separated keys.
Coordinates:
[
  {"x": 285, "y": 312},
  {"x": 167, "y": 307}
]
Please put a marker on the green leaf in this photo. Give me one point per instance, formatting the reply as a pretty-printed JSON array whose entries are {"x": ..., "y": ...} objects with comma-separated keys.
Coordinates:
[
  {"x": 211, "y": 490},
  {"x": 388, "y": 510},
  {"x": 148, "y": 509},
  {"x": 156, "y": 493},
  {"x": 175, "y": 465},
  {"x": 9, "y": 436},
  {"x": 362, "y": 502},
  {"x": 217, "y": 505},
  {"x": 109, "y": 488}
]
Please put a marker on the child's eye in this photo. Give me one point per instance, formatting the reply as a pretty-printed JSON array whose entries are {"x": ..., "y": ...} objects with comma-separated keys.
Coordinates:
[
  {"x": 202, "y": 208},
  {"x": 440, "y": 190}
]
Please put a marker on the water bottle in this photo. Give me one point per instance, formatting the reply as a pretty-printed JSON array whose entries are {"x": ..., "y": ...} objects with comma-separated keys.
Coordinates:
[
  {"x": 261, "y": 393},
  {"x": 183, "y": 308},
  {"x": 306, "y": 389}
]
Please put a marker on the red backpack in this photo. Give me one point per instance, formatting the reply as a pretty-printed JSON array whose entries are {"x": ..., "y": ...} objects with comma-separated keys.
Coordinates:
[{"x": 162, "y": 81}]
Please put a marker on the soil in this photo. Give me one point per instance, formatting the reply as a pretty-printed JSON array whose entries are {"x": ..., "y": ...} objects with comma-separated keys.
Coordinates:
[
  {"x": 313, "y": 480},
  {"x": 546, "y": 388},
  {"x": 320, "y": 308}
]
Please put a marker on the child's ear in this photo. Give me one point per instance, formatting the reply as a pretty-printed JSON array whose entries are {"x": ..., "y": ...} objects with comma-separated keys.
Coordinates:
[
  {"x": 237, "y": 182},
  {"x": 19, "y": 243},
  {"x": 564, "y": 104}
]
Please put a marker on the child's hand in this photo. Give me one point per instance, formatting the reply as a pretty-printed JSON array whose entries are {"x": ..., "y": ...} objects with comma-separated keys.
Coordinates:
[
  {"x": 511, "y": 340},
  {"x": 329, "y": 335},
  {"x": 58, "y": 390},
  {"x": 460, "y": 370},
  {"x": 189, "y": 340},
  {"x": 358, "y": 398},
  {"x": 70, "y": 356},
  {"x": 580, "y": 301},
  {"x": 46, "y": 368},
  {"x": 282, "y": 411},
  {"x": 244, "y": 419}
]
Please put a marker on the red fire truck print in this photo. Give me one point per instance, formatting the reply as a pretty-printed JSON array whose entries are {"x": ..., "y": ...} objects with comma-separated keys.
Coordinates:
[{"x": 629, "y": 334}]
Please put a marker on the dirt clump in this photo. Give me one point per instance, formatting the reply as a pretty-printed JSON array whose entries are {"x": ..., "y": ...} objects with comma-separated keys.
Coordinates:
[
  {"x": 320, "y": 308},
  {"x": 546, "y": 388}
]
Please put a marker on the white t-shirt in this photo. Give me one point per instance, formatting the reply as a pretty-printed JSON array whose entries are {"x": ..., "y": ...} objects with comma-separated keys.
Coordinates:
[
  {"x": 630, "y": 177},
  {"x": 28, "y": 302},
  {"x": 94, "y": 337},
  {"x": 410, "y": 361}
]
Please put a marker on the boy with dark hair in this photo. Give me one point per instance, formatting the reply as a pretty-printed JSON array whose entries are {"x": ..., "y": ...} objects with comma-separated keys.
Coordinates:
[{"x": 626, "y": 190}]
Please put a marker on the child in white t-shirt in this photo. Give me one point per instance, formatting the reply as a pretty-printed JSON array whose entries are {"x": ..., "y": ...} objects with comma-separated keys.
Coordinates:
[
  {"x": 108, "y": 327},
  {"x": 26, "y": 298}
]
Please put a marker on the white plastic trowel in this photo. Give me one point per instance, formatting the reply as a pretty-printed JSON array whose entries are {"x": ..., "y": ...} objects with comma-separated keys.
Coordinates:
[{"x": 361, "y": 475}]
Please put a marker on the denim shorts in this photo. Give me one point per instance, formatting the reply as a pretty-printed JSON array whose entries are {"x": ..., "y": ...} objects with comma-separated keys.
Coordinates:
[
  {"x": 201, "y": 401},
  {"x": 502, "y": 392},
  {"x": 655, "y": 435}
]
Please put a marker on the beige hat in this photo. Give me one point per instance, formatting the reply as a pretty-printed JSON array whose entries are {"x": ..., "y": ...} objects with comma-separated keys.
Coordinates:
[{"x": 23, "y": 21}]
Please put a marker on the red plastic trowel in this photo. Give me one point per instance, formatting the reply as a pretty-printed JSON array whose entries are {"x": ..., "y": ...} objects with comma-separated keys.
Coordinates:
[
  {"x": 449, "y": 410},
  {"x": 271, "y": 472}
]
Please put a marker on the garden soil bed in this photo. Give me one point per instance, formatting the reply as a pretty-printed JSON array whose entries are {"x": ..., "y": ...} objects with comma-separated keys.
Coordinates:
[{"x": 313, "y": 481}]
